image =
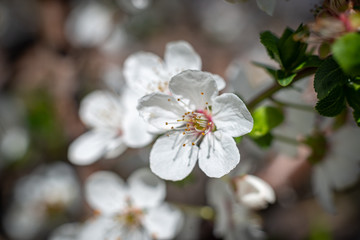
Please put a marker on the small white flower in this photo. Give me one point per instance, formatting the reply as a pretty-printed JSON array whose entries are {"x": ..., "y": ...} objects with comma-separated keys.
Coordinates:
[
  {"x": 200, "y": 125},
  {"x": 233, "y": 221},
  {"x": 135, "y": 211},
  {"x": 89, "y": 24},
  {"x": 253, "y": 192},
  {"x": 340, "y": 167},
  {"x": 114, "y": 127},
  {"x": 50, "y": 191},
  {"x": 147, "y": 73}
]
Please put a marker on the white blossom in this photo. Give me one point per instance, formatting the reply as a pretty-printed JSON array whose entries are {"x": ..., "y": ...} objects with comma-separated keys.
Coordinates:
[
  {"x": 200, "y": 124},
  {"x": 340, "y": 167},
  {"x": 253, "y": 192},
  {"x": 132, "y": 211},
  {"x": 233, "y": 221},
  {"x": 50, "y": 191},
  {"x": 146, "y": 73}
]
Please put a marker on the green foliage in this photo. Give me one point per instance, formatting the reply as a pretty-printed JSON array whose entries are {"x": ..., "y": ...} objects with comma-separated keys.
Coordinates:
[
  {"x": 333, "y": 104},
  {"x": 265, "y": 119},
  {"x": 346, "y": 51},
  {"x": 356, "y": 115},
  {"x": 317, "y": 142},
  {"x": 264, "y": 141},
  {"x": 289, "y": 53},
  {"x": 328, "y": 76}
]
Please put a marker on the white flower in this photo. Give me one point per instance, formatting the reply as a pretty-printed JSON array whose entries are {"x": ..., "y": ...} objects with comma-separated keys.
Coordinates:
[
  {"x": 50, "y": 191},
  {"x": 340, "y": 167},
  {"x": 233, "y": 221},
  {"x": 68, "y": 231},
  {"x": 135, "y": 211},
  {"x": 253, "y": 192},
  {"x": 112, "y": 129},
  {"x": 147, "y": 73},
  {"x": 89, "y": 24},
  {"x": 200, "y": 125}
]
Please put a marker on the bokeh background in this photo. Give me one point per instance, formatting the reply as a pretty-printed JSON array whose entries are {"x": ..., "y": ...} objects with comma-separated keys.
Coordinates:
[{"x": 54, "y": 52}]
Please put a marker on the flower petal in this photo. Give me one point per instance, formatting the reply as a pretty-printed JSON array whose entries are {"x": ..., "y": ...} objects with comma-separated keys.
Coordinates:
[
  {"x": 322, "y": 189},
  {"x": 194, "y": 88},
  {"x": 163, "y": 222},
  {"x": 253, "y": 192},
  {"x": 267, "y": 6},
  {"x": 159, "y": 109},
  {"x": 180, "y": 56},
  {"x": 68, "y": 231},
  {"x": 144, "y": 72},
  {"x": 89, "y": 147},
  {"x": 115, "y": 147},
  {"x": 218, "y": 154},
  {"x": 101, "y": 109},
  {"x": 170, "y": 160},
  {"x": 95, "y": 229},
  {"x": 105, "y": 192},
  {"x": 220, "y": 82},
  {"x": 146, "y": 189},
  {"x": 231, "y": 116}
]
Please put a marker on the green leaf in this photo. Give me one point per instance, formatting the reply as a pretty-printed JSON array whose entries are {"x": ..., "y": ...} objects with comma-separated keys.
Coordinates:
[
  {"x": 356, "y": 115},
  {"x": 346, "y": 50},
  {"x": 311, "y": 61},
  {"x": 270, "y": 41},
  {"x": 264, "y": 141},
  {"x": 352, "y": 93},
  {"x": 283, "y": 78},
  {"x": 238, "y": 139},
  {"x": 269, "y": 69},
  {"x": 292, "y": 51},
  {"x": 265, "y": 119},
  {"x": 333, "y": 104},
  {"x": 328, "y": 76},
  {"x": 318, "y": 145}
]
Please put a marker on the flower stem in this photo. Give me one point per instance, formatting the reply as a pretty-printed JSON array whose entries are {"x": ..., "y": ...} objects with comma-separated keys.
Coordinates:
[
  {"x": 205, "y": 212},
  {"x": 293, "y": 105},
  {"x": 276, "y": 87},
  {"x": 286, "y": 139}
]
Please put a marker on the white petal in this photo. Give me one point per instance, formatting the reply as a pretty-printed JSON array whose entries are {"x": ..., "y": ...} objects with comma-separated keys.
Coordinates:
[
  {"x": 267, "y": 6},
  {"x": 220, "y": 82},
  {"x": 101, "y": 109},
  {"x": 180, "y": 56},
  {"x": 96, "y": 229},
  {"x": 163, "y": 222},
  {"x": 89, "y": 147},
  {"x": 146, "y": 189},
  {"x": 159, "y": 109},
  {"x": 189, "y": 86},
  {"x": 136, "y": 133},
  {"x": 253, "y": 192},
  {"x": 105, "y": 192},
  {"x": 144, "y": 71},
  {"x": 218, "y": 154},
  {"x": 69, "y": 231},
  {"x": 322, "y": 189},
  {"x": 170, "y": 160},
  {"x": 89, "y": 25},
  {"x": 115, "y": 147},
  {"x": 231, "y": 116}
]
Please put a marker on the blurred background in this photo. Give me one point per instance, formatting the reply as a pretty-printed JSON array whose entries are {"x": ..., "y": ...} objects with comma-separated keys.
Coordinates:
[{"x": 54, "y": 52}]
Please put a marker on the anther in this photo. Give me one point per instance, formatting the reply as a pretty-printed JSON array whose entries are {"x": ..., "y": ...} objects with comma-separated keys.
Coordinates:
[
  {"x": 166, "y": 123},
  {"x": 184, "y": 145},
  {"x": 203, "y": 133},
  {"x": 183, "y": 133},
  {"x": 202, "y": 93},
  {"x": 206, "y": 103},
  {"x": 172, "y": 127},
  {"x": 169, "y": 99},
  {"x": 178, "y": 99},
  {"x": 193, "y": 144}
]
